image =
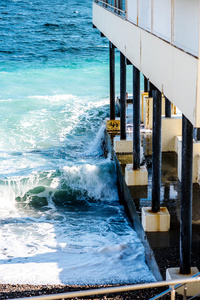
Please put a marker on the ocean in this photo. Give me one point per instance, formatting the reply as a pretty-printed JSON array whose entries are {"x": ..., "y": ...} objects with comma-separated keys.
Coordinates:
[{"x": 60, "y": 218}]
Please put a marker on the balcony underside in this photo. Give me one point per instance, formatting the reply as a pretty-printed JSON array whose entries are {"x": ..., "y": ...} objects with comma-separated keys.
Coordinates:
[{"x": 171, "y": 70}]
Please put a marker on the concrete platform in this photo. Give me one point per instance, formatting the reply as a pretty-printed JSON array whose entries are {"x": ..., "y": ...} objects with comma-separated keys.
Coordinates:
[
  {"x": 165, "y": 245},
  {"x": 123, "y": 146},
  {"x": 192, "y": 288},
  {"x": 136, "y": 177},
  {"x": 159, "y": 221}
]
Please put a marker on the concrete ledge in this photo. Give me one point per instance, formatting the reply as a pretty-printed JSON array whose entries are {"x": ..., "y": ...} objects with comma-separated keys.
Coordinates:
[
  {"x": 123, "y": 146},
  {"x": 136, "y": 177},
  {"x": 171, "y": 127},
  {"x": 192, "y": 288},
  {"x": 159, "y": 221},
  {"x": 113, "y": 125}
]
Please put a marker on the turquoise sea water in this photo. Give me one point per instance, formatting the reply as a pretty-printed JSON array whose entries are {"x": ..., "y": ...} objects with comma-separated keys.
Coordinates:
[{"x": 60, "y": 220}]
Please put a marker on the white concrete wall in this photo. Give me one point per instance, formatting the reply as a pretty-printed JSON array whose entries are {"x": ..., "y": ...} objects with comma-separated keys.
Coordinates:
[{"x": 172, "y": 71}]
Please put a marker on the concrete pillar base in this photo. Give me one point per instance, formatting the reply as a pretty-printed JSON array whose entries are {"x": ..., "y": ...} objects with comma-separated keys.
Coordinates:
[
  {"x": 171, "y": 127},
  {"x": 136, "y": 177},
  {"x": 192, "y": 288},
  {"x": 196, "y": 154},
  {"x": 123, "y": 146},
  {"x": 159, "y": 221},
  {"x": 113, "y": 125}
]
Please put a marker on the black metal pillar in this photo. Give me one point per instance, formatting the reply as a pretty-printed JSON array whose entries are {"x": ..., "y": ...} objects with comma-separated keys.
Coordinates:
[
  {"x": 157, "y": 154},
  {"x": 167, "y": 108},
  {"x": 186, "y": 196},
  {"x": 136, "y": 118},
  {"x": 151, "y": 88},
  {"x": 119, "y": 5},
  {"x": 198, "y": 134},
  {"x": 146, "y": 89},
  {"x": 112, "y": 81},
  {"x": 122, "y": 97}
]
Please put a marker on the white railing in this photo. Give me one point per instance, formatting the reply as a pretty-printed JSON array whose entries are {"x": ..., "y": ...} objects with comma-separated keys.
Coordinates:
[
  {"x": 116, "y": 6},
  {"x": 175, "y": 284}
]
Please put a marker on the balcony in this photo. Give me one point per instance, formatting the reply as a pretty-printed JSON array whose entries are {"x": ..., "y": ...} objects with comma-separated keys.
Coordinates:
[{"x": 160, "y": 38}]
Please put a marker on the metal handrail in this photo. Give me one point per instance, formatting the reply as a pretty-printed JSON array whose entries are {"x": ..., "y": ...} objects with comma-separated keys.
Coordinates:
[
  {"x": 115, "y": 8},
  {"x": 193, "y": 297},
  {"x": 112, "y": 290},
  {"x": 175, "y": 288}
]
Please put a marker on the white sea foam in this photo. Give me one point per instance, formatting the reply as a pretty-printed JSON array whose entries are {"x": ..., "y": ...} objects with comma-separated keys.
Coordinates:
[
  {"x": 83, "y": 260},
  {"x": 60, "y": 222}
]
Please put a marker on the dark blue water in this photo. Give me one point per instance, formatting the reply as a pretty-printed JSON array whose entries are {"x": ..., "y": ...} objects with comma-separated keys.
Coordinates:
[{"x": 60, "y": 220}]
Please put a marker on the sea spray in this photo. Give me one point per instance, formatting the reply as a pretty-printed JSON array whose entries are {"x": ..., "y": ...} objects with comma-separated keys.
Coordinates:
[{"x": 60, "y": 218}]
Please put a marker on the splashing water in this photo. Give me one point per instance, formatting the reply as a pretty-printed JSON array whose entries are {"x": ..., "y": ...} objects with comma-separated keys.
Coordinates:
[{"x": 60, "y": 220}]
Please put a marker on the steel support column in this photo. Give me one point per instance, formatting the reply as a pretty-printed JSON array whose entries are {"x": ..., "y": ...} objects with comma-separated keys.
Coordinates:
[
  {"x": 136, "y": 118},
  {"x": 167, "y": 108},
  {"x": 122, "y": 97},
  {"x": 198, "y": 134},
  {"x": 146, "y": 89},
  {"x": 112, "y": 81},
  {"x": 151, "y": 89},
  {"x": 186, "y": 196},
  {"x": 157, "y": 154}
]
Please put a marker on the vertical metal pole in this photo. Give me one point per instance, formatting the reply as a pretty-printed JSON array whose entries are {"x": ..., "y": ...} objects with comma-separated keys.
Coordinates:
[
  {"x": 112, "y": 81},
  {"x": 122, "y": 97},
  {"x": 119, "y": 5},
  {"x": 198, "y": 134},
  {"x": 145, "y": 85},
  {"x": 136, "y": 118},
  {"x": 167, "y": 108},
  {"x": 185, "y": 292},
  {"x": 157, "y": 154},
  {"x": 173, "y": 293},
  {"x": 151, "y": 88},
  {"x": 186, "y": 196}
]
